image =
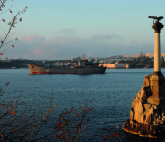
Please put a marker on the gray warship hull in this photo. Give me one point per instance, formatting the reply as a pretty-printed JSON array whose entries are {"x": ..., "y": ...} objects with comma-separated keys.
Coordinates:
[{"x": 34, "y": 69}]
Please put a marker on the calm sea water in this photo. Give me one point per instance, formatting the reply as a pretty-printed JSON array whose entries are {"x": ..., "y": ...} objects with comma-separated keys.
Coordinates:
[{"x": 111, "y": 95}]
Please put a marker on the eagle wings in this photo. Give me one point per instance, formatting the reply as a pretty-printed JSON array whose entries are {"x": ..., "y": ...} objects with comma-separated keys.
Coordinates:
[{"x": 155, "y": 17}]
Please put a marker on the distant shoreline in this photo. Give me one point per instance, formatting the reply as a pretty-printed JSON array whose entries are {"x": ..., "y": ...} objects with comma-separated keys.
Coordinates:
[{"x": 107, "y": 68}]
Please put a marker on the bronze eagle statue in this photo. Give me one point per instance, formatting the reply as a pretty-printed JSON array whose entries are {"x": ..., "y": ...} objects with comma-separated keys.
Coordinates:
[{"x": 155, "y": 17}]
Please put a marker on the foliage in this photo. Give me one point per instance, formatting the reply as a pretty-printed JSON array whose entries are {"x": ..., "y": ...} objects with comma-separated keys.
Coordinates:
[
  {"x": 114, "y": 137},
  {"x": 71, "y": 124},
  {"x": 12, "y": 24},
  {"x": 15, "y": 125},
  {"x": 140, "y": 63}
]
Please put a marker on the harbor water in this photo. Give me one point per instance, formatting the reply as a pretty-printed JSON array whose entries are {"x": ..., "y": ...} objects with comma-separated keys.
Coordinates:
[{"x": 111, "y": 95}]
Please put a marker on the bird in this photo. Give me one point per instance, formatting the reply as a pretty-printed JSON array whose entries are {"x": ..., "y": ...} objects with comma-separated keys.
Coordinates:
[{"x": 155, "y": 17}]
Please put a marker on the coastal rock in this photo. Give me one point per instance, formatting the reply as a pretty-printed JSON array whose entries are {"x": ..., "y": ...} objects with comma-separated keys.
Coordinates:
[
  {"x": 147, "y": 114},
  {"x": 147, "y": 80},
  {"x": 131, "y": 115},
  {"x": 133, "y": 102},
  {"x": 138, "y": 112},
  {"x": 138, "y": 96},
  {"x": 143, "y": 95},
  {"x": 147, "y": 107}
]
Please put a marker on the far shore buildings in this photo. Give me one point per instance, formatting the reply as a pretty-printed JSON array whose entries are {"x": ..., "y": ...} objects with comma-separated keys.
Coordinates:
[
  {"x": 115, "y": 66},
  {"x": 109, "y": 61},
  {"x": 150, "y": 55},
  {"x": 112, "y": 62}
]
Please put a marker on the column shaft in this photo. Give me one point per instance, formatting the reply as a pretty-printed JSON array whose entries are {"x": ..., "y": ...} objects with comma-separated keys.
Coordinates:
[{"x": 157, "y": 56}]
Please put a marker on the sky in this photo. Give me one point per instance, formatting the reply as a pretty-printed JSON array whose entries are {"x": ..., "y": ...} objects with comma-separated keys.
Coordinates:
[{"x": 65, "y": 29}]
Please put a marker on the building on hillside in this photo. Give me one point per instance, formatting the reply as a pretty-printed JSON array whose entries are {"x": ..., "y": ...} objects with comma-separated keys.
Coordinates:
[
  {"x": 75, "y": 59},
  {"x": 115, "y": 66},
  {"x": 163, "y": 54},
  {"x": 119, "y": 57},
  {"x": 125, "y": 56},
  {"x": 150, "y": 55},
  {"x": 135, "y": 55}
]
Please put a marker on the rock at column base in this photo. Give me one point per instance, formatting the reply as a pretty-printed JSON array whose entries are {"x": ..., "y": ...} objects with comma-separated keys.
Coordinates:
[{"x": 143, "y": 130}]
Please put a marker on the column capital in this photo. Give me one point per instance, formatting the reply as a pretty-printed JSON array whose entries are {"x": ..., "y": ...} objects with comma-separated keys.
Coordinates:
[{"x": 157, "y": 26}]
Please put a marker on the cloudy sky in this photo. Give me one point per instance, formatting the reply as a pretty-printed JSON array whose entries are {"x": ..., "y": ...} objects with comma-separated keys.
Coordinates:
[{"x": 64, "y": 29}]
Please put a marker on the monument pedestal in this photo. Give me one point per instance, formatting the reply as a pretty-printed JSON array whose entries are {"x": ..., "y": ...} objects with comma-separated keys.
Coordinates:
[
  {"x": 157, "y": 88},
  {"x": 147, "y": 114}
]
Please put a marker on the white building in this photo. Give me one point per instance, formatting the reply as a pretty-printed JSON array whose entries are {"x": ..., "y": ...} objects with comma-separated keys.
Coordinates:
[
  {"x": 150, "y": 55},
  {"x": 115, "y": 66}
]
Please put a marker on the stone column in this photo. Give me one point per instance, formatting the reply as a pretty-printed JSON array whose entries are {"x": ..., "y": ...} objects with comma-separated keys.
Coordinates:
[
  {"x": 157, "y": 81},
  {"x": 157, "y": 54},
  {"x": 157, "y": 50},
  {"x": 147, "y": 114}
]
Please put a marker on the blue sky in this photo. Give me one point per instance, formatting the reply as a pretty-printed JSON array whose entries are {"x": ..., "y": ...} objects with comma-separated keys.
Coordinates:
[{"x": 64, "y": 29}]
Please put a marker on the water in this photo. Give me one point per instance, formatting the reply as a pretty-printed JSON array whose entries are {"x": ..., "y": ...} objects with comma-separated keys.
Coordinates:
[{"x": 111, "y": 95}]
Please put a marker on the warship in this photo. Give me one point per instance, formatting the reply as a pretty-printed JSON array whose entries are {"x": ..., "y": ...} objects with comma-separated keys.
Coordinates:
[{"x": 83, "y": 67}]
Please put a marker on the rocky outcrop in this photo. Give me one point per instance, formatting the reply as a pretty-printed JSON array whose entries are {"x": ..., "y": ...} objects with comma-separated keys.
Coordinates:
[{"x": 147, "y": 117}]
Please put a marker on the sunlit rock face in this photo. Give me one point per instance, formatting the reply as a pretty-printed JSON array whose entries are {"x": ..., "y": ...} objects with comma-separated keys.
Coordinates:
[{"x": 147, "y": 114}]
